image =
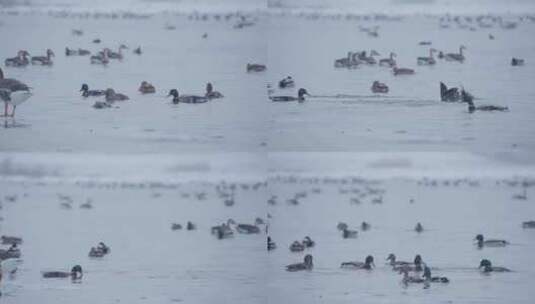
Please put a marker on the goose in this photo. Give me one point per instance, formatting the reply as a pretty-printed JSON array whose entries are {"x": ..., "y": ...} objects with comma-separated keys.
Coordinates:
[
  {"x": 21, "y": 60},
  {"x": 75, "y": 273},
  {"x": 306, "y": 265},
  {"x": 12, "y": 92},
  {"x": 427, "y": 60},
  {"x": 254, "y": 67},
  {"x": 456, "y": 56},
  {"x": 111, "y": 96},
  {"x": 481, "y": 242},
  {"x": 468, "y": 98},
  {"x": 146, "y": 88},
  {"x": 486, "y": 267},
  {"x": 402, "y": 71},
  {"x": 392, "y": 261},
  {"x": 186, "y": 98},
  {"x": 388, "y": 62},
  {"x": 300, "y": 97},
  {"x": 528, "y": 224},
  {"x": 44, "y": 60},
  {"x": 101, "y": 58},
  {"x": 449, "y": 95},
  {"x": 517, "y": 62},
  {"x": 210, "y": 93},
  {"x": 287, "y": 82},
  {"x": 367, "y": 265},
  {"x": 344, "y": 62},
  {"x": 379, "y": 87},
  {"x": 86, "y": 92}
]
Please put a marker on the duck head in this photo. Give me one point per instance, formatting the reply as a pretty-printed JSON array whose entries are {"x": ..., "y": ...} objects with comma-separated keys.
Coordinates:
[
  {"x": 417, "y": 260},
  {"x": 301, "y": 93},
  {"x": 76, "y": 272},
  {"x": 391, "y": 257},
  {"x": 369, "y": 261},
  {"x": 485, "y": 264},
  {"x": 174, "y": 93},
  {"x": 84, "y": 88},
  {"x": 50, "y": 53},
  {"x": 479, "y": 238},
  {"x": 209, "y": 88}
]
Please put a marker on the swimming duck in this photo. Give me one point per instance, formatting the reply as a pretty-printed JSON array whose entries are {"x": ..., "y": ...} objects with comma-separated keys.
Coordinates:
[
  {"x": 456, "y": 56},
  {"x": 117, "y": 55},
  {"x": 86, "y": 92},
  {"x": 402, "y": 71},
  {"x": 364, "y": 226},
  {"x": 111, "y": 96},
  {"x": 101, "y": 59},
  {"x": 416, "y": 265},
  {"x": 12, "y": 92},
  {"x": 101, "y": 105},
  {"x": 176, "y": 226},
  {"x": 427, "y": 275},
  {"x": 449, "y": 95},
  {"x": 306, "y": 265},
  {"x": 146, "y": 88},
  {"x": 300, "y": 97},
  {"x": 367, "y": 265},
  {"x": 486, "y": 267},
  {"x": 210, "y": 93},
  {"x": 44, "y": 60},
  {"x": 297, "y": 246},
  {"x": 379, "y": 87},
  {"x": 137, "y": 51},
  {"x": 21, "y": 60},
  {"x": 349, "y": 234},
  {"x": 223, "y": 231},
  {"x": 427, "y": 60},
  {"x": 247, "y": 229},
  {"x": 481, "y": 242},
  {"x": 392, "y": 261},
  {"x": 517, "y": 62},
  {"x": 345, "y": 62},
  {"x": 468, "y": 98},
  {"x": 287, "y": 82},
  {"x": 75, "y": 273},
  {"x": 308, "y": 242},
  {"x": 528, "y": 224},
  {"x": 270, "y": 244},
  {"x": 190, "y": 226},
  {"x": 419, "y": 228},
  {"x": 87, "y": 205},
  {"x": 253, "y": 67},
  {"x": 186, "y": 98},
  {"x": 97, "y": 40},
  {"x": 388, "y": 62}
]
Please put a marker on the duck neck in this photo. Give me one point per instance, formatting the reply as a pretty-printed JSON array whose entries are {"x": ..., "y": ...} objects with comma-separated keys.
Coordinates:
[{"x": 1, "y": 74}]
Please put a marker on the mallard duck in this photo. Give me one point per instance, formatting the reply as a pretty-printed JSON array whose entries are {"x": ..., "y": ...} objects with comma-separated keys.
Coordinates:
[
  {"x": 367, "y": 265},
  {"x": 75, "y": 273},
  {"x": 306, "y": 265},
  {"x": 146, "y": 88},
  {"x": 12, "y": 92},
  {"x": 43, "y": 60},
  {"x": 300, "y": 96},
  {"x": 21, "y": 60},
  {"x": 449, "y": 95},
  {"x": 186, "y": 98},
  {"x": 297, "y": 246},
  {"x": 86, "y": 92},
  {"x": 379, "y": 87},
  {"x": 486, "y": 266},
  {"x": 402, "y": 71},
  {"x": 481, "y": 242},
  {"x": 210, "y": 93}
]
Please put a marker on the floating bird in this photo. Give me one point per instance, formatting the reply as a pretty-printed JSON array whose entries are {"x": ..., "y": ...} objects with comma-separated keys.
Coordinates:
[
  {"x": 20, "y": 61},
  {"x": 137, "y": 51},
  {"x": 297, "y": 246},
  {"x": 468, "y": 98},
  {"x": 528, "y": 224},
  {"x": 517, "y": 62},
  {"x": 75, "y": 273},
  {"x": 456, "y": 56},
  {"x": 146, "y": 88},
  {"x": 389, "y": 62},
  {"x": 427, "y": 275},
  {"x": 393, "y": 262},
  {"x": 186, "y": 98},
  {"x": 43, "y": 60},
  {"x": 101, "y": 58},
  {"x": 300, "y": 96},
  {"x": 210, "y": 93},
  {"x": 306, "y": 265},
  {"x": 486, "y": 267},
  {"x": 427, "y": 60},
  {"x": 481, "y": 242},
  {"x": 12, "y": 92},
  {"x": 379, "y": 87},
  {"x": 402, "y": 71},
  {"x": 254, "y": 67},
  {"x": 419, "y": 228},
  {"x": 287, "y": 82},
  {"x": 111, "y": 96},
  {"x": 367, "y": 265}
]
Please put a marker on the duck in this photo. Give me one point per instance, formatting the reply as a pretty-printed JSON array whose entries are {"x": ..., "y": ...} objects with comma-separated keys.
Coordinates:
[
  {"x": 101, "y": 58},
  {"x": 528, "y": 224},
  {"x": 308, "y": 242},
  {"x": 176, "y": 226},
  {"x": 118, "y": 54},
  {"x": 254, "y": 67},
  {"x": 419, "y": 228},
  {"x": 137, "y": 51},
  {"x": 247, "y": 229},
  {"x": 190, "y": 226},
  {"x": 427, "y": 275},
  {"x": 297, "y": 246},
  {"x": 388, "y": 62},
  {"x": 517, "y": 62},
  {"x": 210, "y": 93},
  {"x": 270, "y": 244},
  {"x": 481, "y": 242},
  {"x": 402, "y": 71},
  {"x": 416, "y": 265},
  {"x": 486, "y": 267},
  {"x": 449, "y": 94},
  {"x": 468, "y": 98},
  {"x": 367, "y": 265},
  {"x": 86, "y": 92},
  {"x": 146, "y": 88},
  {"x": 87, "y": 205},
  {"x": 75, "y": 273},
  {"x": 349, "y": 234},
  {"x": 224, "y": 231},
  {"x": 379, "y": 87},
  {"x": 111, "y": 96},
  {"x": 21, "y": 60},
  {"x": 186, "y": 98},
  {"x": 102, "y": 105},
  {"x": 13, "y": 92},
  {"x": 306, "y": 265},
  {"x": 341, "y": 226},
  {"x": 78, "y": 52},
  {"x": 427, "y": 60},
  {"x": 44, "y": 60},
  {"x": 287, "y": 82},
  {"x": 364, "y": 226},
  {"x": 392, "y": 261},
  {"x": 345, "y": 62},
  {"x": 459, "y": 57},
  {"x": 300, "y": 97},
  {"x": 96, "y": 253}
]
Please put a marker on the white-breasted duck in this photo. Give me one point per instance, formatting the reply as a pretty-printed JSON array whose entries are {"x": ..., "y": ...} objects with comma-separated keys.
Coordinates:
[
  {"x": 459, "y": 57},
  {"x": 430, "y": 60},
  {"x": 12, "y": 92},
  {"x": 486, "y": 266},
  {"x": 366, "y": 265},
  {"x": 306, "y": 265},
  {"x": 210, "y": 93},
  {"x": 86, "y": 92},
  {"x": 379, "y": 87},
  {"x": 300, "y": 96},
  {"x": 75, "y": 273},
  {"x": 44, "y": 60},
  {"x": 186, "y": 98},
  {"x": 449, "y": 94},
  {"x": 111, "y": 96},
  {"x": 146, "y": 88},
  {"x": 481, "y": 242}
]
